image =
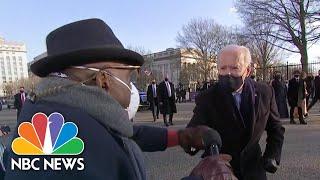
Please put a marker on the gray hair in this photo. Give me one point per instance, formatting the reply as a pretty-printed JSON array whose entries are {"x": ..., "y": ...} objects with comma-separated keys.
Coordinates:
[{"x": 242, "y": 49}]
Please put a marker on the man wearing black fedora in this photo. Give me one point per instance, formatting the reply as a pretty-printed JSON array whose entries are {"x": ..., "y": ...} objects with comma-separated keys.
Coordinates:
[{"x": 86, "y": 78}]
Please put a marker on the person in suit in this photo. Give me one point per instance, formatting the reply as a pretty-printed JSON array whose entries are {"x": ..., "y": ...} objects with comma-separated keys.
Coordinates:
[
  {"x": 296, "y": 92},
  {"x": 280, "y": 92},
  {"x": 19, "y": 100},
  {"x": 87, "y": 64},
  {"x": 309, "y": 87},
  {"x": 241, "y": 109},
  {"x": 316, "y": 97},
  {"x": 206, "y": 85},
  {"x": 153, "y": 99},
  {"x": 167, "y": 100}
]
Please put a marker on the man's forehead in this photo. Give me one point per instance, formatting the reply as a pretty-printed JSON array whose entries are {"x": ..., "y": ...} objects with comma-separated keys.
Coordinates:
[{"x": 230, "y": 55}]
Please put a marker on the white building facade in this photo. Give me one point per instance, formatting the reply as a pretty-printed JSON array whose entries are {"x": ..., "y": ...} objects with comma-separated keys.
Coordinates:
[
  {"x": 169, "y": 63},
  {"x": 13, "y": 62}
]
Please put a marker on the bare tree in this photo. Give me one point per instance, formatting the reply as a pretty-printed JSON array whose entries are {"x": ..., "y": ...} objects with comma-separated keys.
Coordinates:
[
  {"x": 28, "y": 83},
  {"x": 204, "y": 38},
  {"x": 294, "y": 22},
  {"x": 145, "y": 75},
  {"x": 263, "y": 50}
]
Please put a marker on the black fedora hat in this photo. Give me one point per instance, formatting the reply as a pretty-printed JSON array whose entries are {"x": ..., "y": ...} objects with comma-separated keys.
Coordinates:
[{"x": 83, "y": 42}]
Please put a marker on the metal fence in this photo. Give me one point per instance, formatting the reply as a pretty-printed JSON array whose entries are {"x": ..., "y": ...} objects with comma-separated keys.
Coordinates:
[{"x": 286, "y": 70}]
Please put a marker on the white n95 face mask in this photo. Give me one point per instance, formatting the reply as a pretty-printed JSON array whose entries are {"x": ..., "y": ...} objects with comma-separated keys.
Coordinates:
[{"x": 134, "y": 102}]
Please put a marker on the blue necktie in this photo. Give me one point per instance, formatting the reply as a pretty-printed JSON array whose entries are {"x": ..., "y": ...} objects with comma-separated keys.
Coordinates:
[{"x": 237, "y": 98}]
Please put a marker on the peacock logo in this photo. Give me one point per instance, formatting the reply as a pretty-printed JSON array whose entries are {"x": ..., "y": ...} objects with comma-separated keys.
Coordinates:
[{"x": 47, "y": 136}]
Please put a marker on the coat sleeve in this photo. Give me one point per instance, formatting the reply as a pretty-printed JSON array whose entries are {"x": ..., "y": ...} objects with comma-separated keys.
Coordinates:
[
  {"x": 159, "y": 92},
  {"x": 275, "y": 132},
  {"x": 150, "y": 138},
  {"x": 200, "y": 113},
  {"x": 16, "y": 103}
]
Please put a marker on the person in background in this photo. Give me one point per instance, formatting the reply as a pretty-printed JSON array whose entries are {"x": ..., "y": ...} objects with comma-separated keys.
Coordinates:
[
  {"x": 1, "y": 103},
  {"x": 167, "y": 102},
  {"x": 280, "y": 93},
  {"x": 153, "y": 99},
  {"x": 316, "y": 95},
  {"x": 241, "y": 109},
  {"x": 19, "y": 100},
  {"x": 309, "y": 87},
  {"x": 179, "y": 93},
  {"x": 198, "y": 87},
  {"x": 303, "y": 94},
  {"x": 295, "y": 93},
  {"x": 206, "y": 85},
  {"x": 183, "y": 94}
]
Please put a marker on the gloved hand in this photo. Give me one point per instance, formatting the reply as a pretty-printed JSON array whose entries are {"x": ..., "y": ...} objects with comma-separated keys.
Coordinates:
[
  {"x": 270, "y": 165},
  {"x": 214, "y": 167},
  {"x": 190, "y": 139}
]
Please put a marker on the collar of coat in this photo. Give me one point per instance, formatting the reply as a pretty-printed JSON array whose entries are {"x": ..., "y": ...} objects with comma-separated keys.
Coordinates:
[{"x": 91, "y": 99}]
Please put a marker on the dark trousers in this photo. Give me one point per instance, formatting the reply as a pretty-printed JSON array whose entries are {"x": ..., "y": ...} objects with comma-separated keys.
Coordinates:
[
  {"x": 18, "y": 112},
  {"x": 165, "y": 118},
  {"x": 299, "y": 112},
  {"x": 313, "y": 102},
  {"x": 155, "y": 108}
]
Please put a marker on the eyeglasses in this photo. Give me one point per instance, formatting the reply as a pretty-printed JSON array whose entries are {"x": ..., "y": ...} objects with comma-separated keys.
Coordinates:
[{"x": 109, "y": 73}]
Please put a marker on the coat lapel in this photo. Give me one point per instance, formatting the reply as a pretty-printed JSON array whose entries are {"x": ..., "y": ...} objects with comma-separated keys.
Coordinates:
[
  {"x": 226, "y": 105},
  {"x": 256, "y": 111}
]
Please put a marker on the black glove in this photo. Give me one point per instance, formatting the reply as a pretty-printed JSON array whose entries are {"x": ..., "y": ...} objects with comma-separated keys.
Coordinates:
[
  {"x": 270, "y": 165},
  {"x": 191, "y": 139}
]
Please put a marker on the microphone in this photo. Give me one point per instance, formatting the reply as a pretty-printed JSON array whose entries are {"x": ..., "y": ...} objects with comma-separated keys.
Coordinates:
[{"x": 212, "y": 142}]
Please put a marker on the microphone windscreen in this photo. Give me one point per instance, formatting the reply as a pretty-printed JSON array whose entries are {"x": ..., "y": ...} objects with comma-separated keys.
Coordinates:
[{"x": 212, "y": 137}]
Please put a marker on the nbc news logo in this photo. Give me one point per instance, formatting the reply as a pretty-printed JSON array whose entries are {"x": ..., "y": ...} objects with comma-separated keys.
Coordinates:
[{"x": 46, "y": 136}]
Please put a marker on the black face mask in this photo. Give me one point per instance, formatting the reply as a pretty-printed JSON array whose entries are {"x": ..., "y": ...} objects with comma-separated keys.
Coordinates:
[
  {"x": 21, "y": 91},
  {"x": 166, "y": 79},
  {"x": 230, "y": 83},
  {"x": 296, "y": 76},
  {"x": 278, "y": 77},
  {"x": 153, "y": 82}
]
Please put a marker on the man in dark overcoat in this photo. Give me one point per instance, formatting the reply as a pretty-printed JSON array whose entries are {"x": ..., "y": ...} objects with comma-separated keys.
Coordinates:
[
  {"x": 295, "y": 87},
  {"x": 153, "y": 99},
  {"x": 166, "y": 93},
  {"x": 19, "y": 100},
  {"x": 241, "y": 109}
]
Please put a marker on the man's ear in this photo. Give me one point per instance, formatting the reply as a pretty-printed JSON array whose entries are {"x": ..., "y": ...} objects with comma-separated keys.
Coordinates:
[
  {"x": 102, "y": 80},
  {"x": 248, "y": 71}
]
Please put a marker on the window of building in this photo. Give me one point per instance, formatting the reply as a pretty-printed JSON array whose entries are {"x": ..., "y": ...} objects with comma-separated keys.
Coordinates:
[{"x": 20, "y": 58}]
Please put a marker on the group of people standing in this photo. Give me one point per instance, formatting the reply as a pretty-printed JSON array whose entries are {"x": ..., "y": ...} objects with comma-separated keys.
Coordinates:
[
  {"x": 162, "y": 99},
  {"x": 298, "y": 91}
]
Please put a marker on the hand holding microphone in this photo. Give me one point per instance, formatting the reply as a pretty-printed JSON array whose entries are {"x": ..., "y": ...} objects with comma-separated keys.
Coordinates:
[
  {"x": 214, "y": 166},
  {"x": 191, "y": 139}
]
